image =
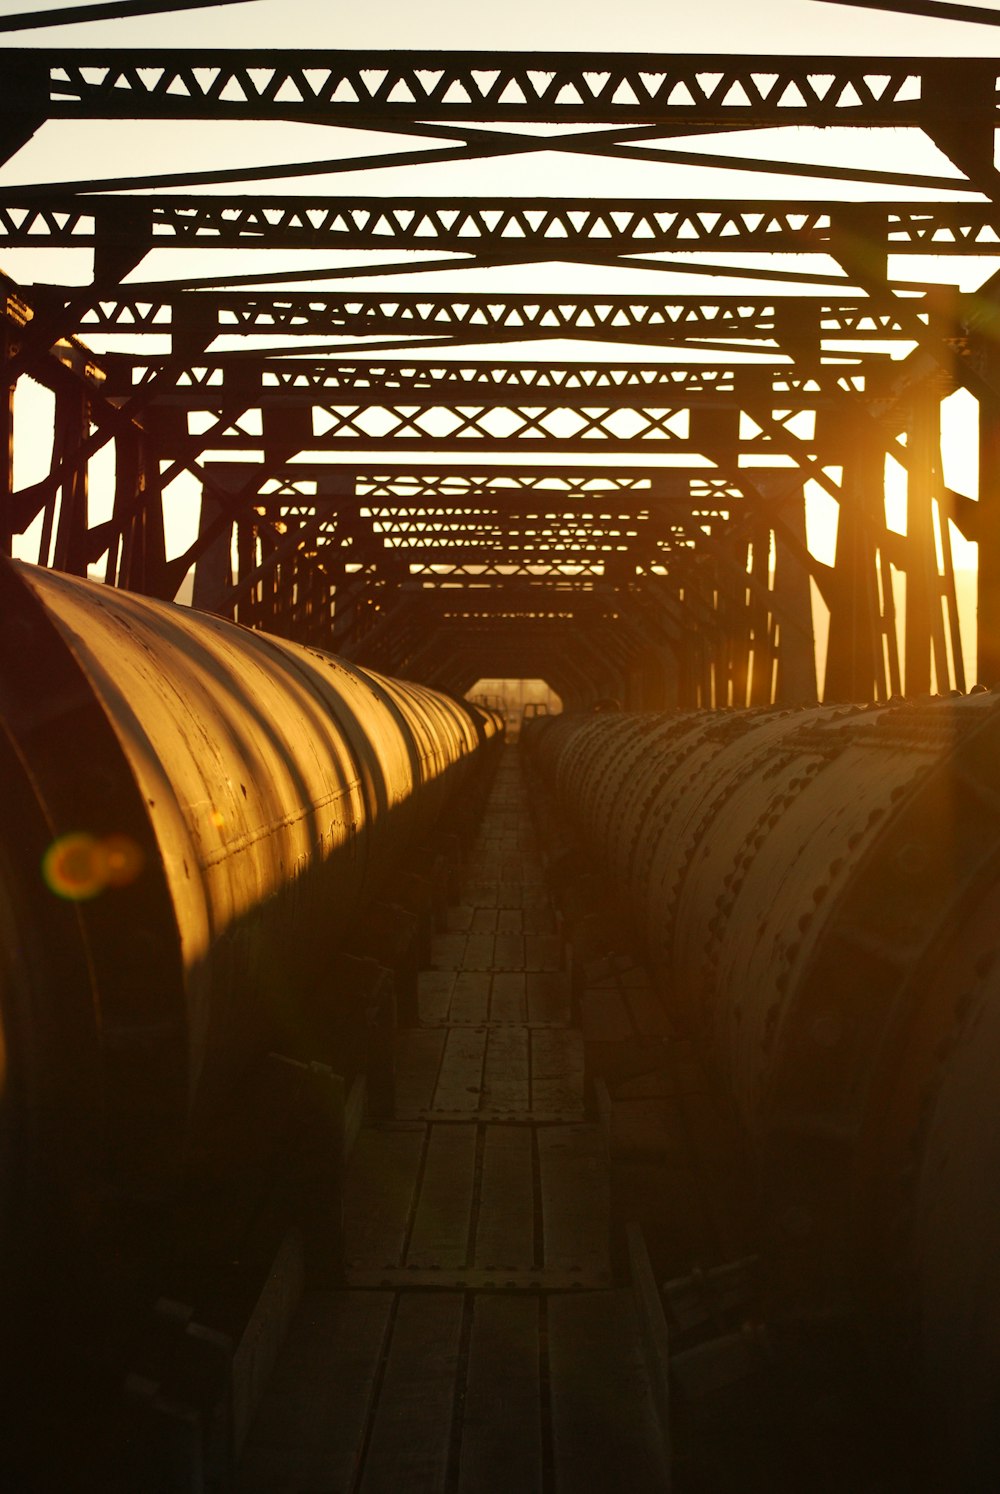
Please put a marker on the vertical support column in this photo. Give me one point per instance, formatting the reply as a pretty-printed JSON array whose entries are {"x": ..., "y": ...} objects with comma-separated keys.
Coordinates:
[
  {"x": 924, "y": 627},
  {"x": 289, "y": 579},
  {"x": 704, "y": 651},
  {"x": 855, "y": 668},
  {"x": 657, "y": 620},
  {"x": 698, "y": 672},
  {"x": 335, "y": 596},
  {"x": 138, "y": 518},
  {"x": 72, "y": 427},
  {"x": 271, "y": 588},
  {"x": 347, "y": 600},
  {"x": 796, "y": 683},
  {"x": 735, "y": 633},
  {"x": 8, "y": 346},
  {"x": 213, "y": 571},
  {"x": 761, "y": 621},
  {"x": 949, "y": 600},
  {"x": 321, "y": 627},
  {"x": 126, "y": 498},
  {"x": 248, "y": 609},
  {"x": 692, "y": 669},
  {"x": 155, "y": 524},
  {"x": 988, "y": 599},
  {"x": 321, "y": 618}
]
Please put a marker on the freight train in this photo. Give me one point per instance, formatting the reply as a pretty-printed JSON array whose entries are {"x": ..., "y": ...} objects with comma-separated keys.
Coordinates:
[{"x": 818, "y": 895}]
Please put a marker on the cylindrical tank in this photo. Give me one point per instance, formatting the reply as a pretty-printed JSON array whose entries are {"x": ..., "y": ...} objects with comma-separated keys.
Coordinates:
[
  {"x": 819, "y": 895},
  {"x": 194, "y": 815}
]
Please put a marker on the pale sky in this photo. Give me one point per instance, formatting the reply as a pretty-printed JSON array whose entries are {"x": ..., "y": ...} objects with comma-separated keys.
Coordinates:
[{"x": 786, "y": 26}]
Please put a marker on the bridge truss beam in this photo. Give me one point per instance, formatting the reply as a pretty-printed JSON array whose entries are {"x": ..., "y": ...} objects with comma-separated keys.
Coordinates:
[{"x": 652, "y": 505}]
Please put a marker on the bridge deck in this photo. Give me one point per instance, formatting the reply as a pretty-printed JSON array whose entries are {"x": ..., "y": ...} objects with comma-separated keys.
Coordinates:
[{"x": 480, "y": 1343}]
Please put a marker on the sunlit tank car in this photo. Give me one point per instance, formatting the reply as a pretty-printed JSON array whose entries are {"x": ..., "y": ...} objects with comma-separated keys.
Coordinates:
[
  {"x": 818, "y": 891},
  {"x": 194, "y": 816}
]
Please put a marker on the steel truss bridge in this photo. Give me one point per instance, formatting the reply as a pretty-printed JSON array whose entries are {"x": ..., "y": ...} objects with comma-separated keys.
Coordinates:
[{"x": 408, "y": 477}]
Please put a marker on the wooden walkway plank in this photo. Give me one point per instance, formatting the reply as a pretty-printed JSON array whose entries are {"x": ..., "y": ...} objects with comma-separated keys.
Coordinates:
[
  {"x": 434, "y": 988},
  {"x": 418, "y": 1062},
  {"x": 444, "y": 1206},
  {"x": 412, "y": 1430},
  {"x": 509, "y": 950},
  {"x": 380, "y": 1194},
  {"x": 557, "y": 1071},
  {"x": 501, "y": 1450},
  {"x": 460, "y": 1082},
  {"x": 605, "y": 1432},
  {"x": 508, "y": 998},
  {"x": 470, "y": 1001},
  {"x": 310, "y": 1428},
  {"x": 479, "y": 952},
  {"x": 505, "y": 1075},
  {"x": 505, "y": 1233},
  {"x": 574, "y": 1192}
]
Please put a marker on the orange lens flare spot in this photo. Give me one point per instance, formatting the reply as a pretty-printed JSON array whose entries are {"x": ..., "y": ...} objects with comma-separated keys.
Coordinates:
[
  {"x": 123, "y": 860},
  {"x": 218, "y": 820},
  {"x": 72, "y": 867},
  {"x": 80, "y": 866}
]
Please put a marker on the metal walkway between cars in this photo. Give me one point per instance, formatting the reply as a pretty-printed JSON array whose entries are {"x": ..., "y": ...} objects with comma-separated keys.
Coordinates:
[{"x": 479, "y": 1343}]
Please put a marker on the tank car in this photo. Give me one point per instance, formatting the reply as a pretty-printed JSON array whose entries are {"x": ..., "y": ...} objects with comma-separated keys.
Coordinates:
[
  {"x": 818, "y": 894},
  {"x": 194, "y": 815}
]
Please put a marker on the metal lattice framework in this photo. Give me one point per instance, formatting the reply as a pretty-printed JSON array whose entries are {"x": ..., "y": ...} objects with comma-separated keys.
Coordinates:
[
  {"x": 602, "y": 486},
  {"x": 571, "y": 87},
  {"x": 493, "y": 227},
  {"x": 663, "y": 321}
]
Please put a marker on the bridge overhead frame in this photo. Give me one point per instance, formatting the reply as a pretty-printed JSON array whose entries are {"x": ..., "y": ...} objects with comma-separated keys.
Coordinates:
[{"x": 464, "y": 508}]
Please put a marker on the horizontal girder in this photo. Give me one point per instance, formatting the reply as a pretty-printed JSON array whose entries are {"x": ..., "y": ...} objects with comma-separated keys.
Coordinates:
[
  {"x": 495, "y": 524},
  {"x": 493, "y": 538},
  {"x": 202, "y": 316},
  {"x": 482, "y": 510},
  {"x": 380, "y": 428},
  {"x": 458, "y": 483},
  {"x": 476, "y": 562},
  {"x": 542, "y": 86},
  {"x": 503, "y": 228},
  {"x": 554, "y": 385}
]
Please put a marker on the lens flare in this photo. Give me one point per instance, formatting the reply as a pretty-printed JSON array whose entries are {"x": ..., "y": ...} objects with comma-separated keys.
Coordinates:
[
  {"x": 81, "y": 866},
  {"x": 123, "y": 860}
]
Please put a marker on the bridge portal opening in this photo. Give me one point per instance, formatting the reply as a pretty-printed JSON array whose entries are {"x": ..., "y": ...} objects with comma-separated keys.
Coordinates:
[{"x": 518, "y": 699}]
